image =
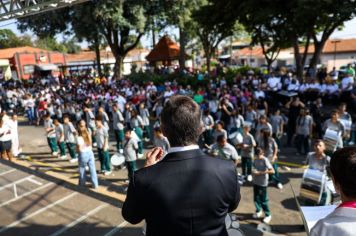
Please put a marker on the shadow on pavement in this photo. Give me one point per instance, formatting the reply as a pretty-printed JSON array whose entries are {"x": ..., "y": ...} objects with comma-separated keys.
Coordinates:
[
  {"x": 111, "y": 200},
  {"x": 87, "y": 229}
]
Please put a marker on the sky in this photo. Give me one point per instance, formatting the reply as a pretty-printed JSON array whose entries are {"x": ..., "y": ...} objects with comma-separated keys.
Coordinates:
[{"x": 348, "y": 31}]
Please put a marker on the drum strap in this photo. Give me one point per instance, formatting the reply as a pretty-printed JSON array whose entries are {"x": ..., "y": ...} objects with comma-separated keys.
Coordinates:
[
  {"x": 222, "y": 153},
  {"x": 348, "y": 204}
]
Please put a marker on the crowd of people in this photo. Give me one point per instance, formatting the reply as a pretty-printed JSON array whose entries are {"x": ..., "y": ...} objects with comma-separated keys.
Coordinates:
[{"x": 248, "y": 120}]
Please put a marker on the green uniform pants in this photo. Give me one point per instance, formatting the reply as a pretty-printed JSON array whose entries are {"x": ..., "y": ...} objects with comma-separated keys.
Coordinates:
[
  {"x": 275, "y": 177},
  {"x": 71, "y": 148},
  {"x": 131, "y": 168},
  {"x": 62, "y": 148},
  {"x": 52, "y": 143},
  {"x": 104, "y": 158},
  {"x": 261, "y": 199},
  {"x": 246, "y": 165},
  {"x": 119, "y": 137}
]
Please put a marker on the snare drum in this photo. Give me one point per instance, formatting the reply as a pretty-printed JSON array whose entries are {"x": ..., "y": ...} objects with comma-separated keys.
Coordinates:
[
  {"x": 313, "y": 185},
  {"x": 117, "y": 159},
  {"x": 235, "y": 138}
]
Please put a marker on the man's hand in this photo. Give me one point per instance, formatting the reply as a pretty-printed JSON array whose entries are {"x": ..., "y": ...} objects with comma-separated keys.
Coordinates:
[{"x": 154, "y": 156}]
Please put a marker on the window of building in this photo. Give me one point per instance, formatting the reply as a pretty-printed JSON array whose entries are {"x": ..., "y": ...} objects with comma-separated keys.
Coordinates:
[
  {"x": 28, "y": 69},
  {"x": 252, "y": 60}
]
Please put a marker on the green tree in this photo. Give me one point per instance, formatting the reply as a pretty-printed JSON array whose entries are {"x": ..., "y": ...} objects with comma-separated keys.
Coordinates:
[
  {"x": 121, "y": 23},
  {"x": 295, "y": 22},
  {"x": 9, "y": 39},
  {"x": 210, "y": 30}
]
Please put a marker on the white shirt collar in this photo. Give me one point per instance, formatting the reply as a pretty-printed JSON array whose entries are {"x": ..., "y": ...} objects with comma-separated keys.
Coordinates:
[{"x": 182, "y": 149}]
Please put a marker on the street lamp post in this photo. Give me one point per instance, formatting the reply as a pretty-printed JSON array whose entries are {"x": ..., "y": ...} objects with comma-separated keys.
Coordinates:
[{"x": 335, "y": 42}]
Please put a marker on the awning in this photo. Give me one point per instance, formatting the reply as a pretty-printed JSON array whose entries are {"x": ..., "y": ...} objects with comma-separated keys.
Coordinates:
[
  {"x": 47, "y": 67},
  {"x": 226, "y": 56},
  {"x": 4, "y": 62}
]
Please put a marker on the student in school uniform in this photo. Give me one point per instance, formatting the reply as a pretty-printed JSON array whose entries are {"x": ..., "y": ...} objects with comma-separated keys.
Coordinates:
[
  {"x": 225, "y": 150},
  {"x": 262, "y": 168},
  {"x": 60, "y": 138},
  {"x": 69, "y": 138},
  {"x": 136, "y": 124},
  {"x": 247, "y": 151},
  {"x": 90, "y": 121},
  {"x": 51, "y": 134},
  {"x": 270, "y": 150},
  {"x": 160, "y": 140},
  {"x": 145, "y": 115},
  {"x": 5, "y": 140},
  {"x": 118, "y": 125},
  {"x": 130, "y": 153},
  {"x": 102, "y": 139},
  {"x": 341, "y": 221}
]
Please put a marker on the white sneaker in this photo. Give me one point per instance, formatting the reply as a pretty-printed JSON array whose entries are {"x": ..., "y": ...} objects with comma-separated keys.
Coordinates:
[
  {"x": 140, "y": 155},
  {"x": 249, "y": 178},
  {"x": 257, "y": 215},
  {"x": 54, "y": 153},
  {"x": 87, "y": 168},
  {"x": 107, "y": 173},
  {"x": 63, "y": 157},
  {"x": 74, "y": 160},
  {"x": 95, "y": 144},
  {"x": 280, "y": 186},
  {"x": 351, "y": 143},
  {"x": 121, "y": 151},
  {"x": 267, "y": 219}
]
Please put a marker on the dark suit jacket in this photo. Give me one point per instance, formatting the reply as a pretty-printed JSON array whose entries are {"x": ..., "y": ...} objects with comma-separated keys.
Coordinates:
[{"x": 187, "y": 193}]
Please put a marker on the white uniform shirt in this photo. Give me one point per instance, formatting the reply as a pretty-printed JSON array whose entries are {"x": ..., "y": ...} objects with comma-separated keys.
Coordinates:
[{"x": 341, "y": 222}]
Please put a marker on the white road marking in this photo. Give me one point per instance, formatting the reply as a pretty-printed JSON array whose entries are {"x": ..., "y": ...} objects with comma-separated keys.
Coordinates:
[
  {"x": 16, "y": 182},
  {"x": 7, "y": 172},
  {"x": 15, "y": 191},
  {"x": 26, "y": 194},
  {"x": 77, "y": 221},
  {"x": 117, "y": 229},
  {"x": 35, "y": 181},
  {"x": 37, "y": 212}
]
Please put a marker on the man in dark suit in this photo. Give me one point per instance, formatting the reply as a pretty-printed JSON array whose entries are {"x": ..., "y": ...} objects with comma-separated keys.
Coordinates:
[{"x": 186, "y": 192}]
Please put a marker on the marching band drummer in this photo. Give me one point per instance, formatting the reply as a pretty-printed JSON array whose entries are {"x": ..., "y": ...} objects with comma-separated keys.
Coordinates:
[
  {"x": 318, "y": 160},
  {"x": 225, "y": 150},
  {"x": 334, "y": 124}
]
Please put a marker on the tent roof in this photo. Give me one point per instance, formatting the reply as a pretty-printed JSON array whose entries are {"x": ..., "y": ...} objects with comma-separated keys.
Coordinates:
[{"x": 165, "y": 50}]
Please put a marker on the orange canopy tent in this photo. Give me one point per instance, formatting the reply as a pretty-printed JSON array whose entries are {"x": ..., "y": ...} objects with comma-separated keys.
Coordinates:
[{"x": 166, "y": 51}]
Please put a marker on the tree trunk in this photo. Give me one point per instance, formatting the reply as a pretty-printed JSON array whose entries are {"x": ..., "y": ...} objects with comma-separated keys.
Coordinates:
[
  {"x": 97, "y": 56},
  {"x": 298, "y": 60},
  {"x": 208, "y": 59},
  {"x": 119, "y": 61},
  {"x": 182, "y": 42},
  {"x": 316, "y": 56}
]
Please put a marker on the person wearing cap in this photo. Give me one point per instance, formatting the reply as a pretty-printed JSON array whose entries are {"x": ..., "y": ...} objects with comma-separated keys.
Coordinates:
[{"x": 341, "y": 221}]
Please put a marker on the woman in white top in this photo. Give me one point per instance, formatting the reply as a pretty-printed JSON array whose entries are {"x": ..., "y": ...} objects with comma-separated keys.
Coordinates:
[
  {"x": 342, "y": 220},
  {"x": 86, "y": 155}
]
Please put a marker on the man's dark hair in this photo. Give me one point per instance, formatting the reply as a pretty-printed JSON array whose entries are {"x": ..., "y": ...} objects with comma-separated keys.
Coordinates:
[
  {"x": 343, "y": 169},
  {"x": 181, "y": 121},
  {"x": 220, "y": 138}
]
